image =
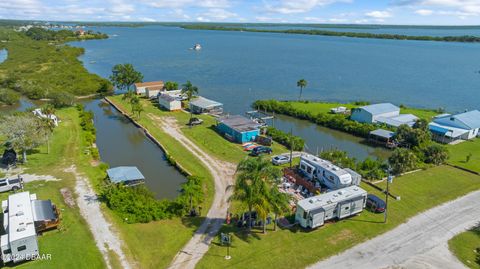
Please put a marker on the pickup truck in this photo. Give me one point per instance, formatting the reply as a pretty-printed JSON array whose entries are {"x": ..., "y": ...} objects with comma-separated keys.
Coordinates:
[{"x": 11, "y": 184}]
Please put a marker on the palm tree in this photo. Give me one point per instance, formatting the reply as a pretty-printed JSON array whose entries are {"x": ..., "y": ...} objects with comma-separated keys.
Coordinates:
[
  {"x": 47, "y": 123},
  {"x": 252, "y": 187},
  {"x": 189, "y": 90},
  {"x": 279, "y": 203},
  {"x": 302, "y": 83}
]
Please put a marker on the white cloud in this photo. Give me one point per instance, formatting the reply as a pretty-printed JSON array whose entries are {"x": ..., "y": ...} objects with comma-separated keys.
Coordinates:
[
  {"x": 444, "y": 7},
  {"x": 298, "y": 6},
  {"x": 187, "y": 3},
  {"x": 216, "y": 14},
  {"x": 377, "y": 14},
  {"x": 424, "y": 12}
]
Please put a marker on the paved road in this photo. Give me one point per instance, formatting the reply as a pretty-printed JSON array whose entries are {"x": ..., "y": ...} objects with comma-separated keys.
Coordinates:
[
  {"x": 222, "y": 173},
  {"x": 419, "y": 243}
]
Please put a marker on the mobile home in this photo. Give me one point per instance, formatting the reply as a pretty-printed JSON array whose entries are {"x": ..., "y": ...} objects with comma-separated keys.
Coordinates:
[
  {"x": 314, "y": 211},
  {"x": 326, "y": 173}
]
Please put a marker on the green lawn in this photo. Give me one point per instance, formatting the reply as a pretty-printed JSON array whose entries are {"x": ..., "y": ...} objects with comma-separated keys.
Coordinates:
[
  {"x": 459, "y": 152},
  {"x": 465, "y": 246},
  {"x": 203, "y": 135},
  {"x": 324, "y": 107},
  {"x": 298, "y": 248},
  {"x": 73, "y": 238}
]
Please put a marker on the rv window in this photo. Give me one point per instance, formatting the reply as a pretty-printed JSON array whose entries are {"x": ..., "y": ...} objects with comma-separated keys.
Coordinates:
[
  {"x": 331, "y": 178},
  {"x": 346, "y": 208},
  {"x": 309, "y": 169},
  {"x": 3, "y": 183},
  {"x": 304, "y": 214},
  {"x": 323, "y": 173},
  {"x": 21, "y": 248},
  {"x": 7, "y": 251}
]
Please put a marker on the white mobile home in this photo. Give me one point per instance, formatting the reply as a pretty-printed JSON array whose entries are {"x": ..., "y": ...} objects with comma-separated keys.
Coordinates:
[
  {"x": 326, "y": 173},
  {"x": 141, "y": 88},
  {"x": 20, "y": 241},
  {"x": 169, "y": 102},
  {"x": 314, "y": 211}
]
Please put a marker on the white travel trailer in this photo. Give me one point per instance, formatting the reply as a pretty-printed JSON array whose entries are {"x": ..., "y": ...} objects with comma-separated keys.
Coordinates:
[
  {"x": 326, "y": 173},
  {"x": 314, "y": 211},
  {"x": 20, "y": 241}
]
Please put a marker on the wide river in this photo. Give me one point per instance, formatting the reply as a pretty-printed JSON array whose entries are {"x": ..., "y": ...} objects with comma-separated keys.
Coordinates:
[{"x": 237, "y": 68}]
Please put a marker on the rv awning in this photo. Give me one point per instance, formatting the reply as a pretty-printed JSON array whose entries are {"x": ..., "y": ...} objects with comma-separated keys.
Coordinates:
[{"x": 42, "y": 210}]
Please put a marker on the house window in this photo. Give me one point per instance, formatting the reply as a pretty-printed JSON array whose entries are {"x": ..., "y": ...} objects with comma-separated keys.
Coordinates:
[{"x": 21, "y": 248}]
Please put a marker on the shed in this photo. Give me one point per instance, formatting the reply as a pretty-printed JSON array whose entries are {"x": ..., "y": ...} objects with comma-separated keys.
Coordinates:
[
  {"x": 128, "y": 175},
  {"x": 371, "y": 113},
  {"x": 238, "y": 128},
  {"x": 202, "y": 105},
  {"x": 169, "y": 102}
]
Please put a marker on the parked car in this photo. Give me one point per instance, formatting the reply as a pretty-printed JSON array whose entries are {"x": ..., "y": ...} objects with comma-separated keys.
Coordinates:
[
  {"x": 280, "y": 159},
  {"x": 261, "y": 150},
  {"x": 375, "y": 204},
  {"x": 12, "y": 184},
  {"x": 195, "y": 121}
]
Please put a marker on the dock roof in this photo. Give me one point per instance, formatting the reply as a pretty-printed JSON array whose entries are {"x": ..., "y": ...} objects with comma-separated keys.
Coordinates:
[
  {"x": 383, "y": 133},
  {"x": 124, "y": 174},
  {"x": 149, "y": 83},
  {"x": 239, "y": 123},
  {"x": 203, "y": 102}
]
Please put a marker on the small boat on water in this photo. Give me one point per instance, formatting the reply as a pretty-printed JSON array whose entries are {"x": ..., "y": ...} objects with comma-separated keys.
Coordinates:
[{"x": 197, "y": 47}]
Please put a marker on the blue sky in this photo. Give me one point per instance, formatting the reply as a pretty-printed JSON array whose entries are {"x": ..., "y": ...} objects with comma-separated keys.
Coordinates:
[{"x": 432, "y": 12}]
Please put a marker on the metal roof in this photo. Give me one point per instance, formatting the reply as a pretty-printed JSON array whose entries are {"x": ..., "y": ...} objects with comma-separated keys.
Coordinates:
[
  {"x": 447, "y": 131},
  {"x": 42, "y": 210},
  {"x": 20, "y": 216},
  {"x": 168, "y": 97},
  {"x": 325, "y": 164},
  {"x": 240, "y": 123},
  {"x": 382, "y": 133},
  {"x": 408, "y": 119},
  {"x": 124, "y": 173},
  {"x": 330, "y": 198},
  {"x": 470, "y": 118},
  {"x": 203, "y": 102},
  {"x": 381, "y": 108}
]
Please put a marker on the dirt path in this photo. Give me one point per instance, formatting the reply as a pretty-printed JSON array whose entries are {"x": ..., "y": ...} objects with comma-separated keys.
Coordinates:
[
  {"x": 105, "y": 238},
  {"x": 419, "y": 243},
  {"x": 222, "y": 173}
]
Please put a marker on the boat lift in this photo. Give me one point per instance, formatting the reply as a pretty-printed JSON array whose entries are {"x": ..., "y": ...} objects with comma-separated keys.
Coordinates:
[{"x": 260, "y": 117}]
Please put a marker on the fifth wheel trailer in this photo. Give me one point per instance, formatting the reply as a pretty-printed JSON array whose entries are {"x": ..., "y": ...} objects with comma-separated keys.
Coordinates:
[{"x": 314, "y": 211}]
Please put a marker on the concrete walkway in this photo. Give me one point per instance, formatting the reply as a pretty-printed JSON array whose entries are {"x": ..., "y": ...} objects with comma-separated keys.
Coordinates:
[
  {"x": 419, "y": 243},
  {"x": 222, "y": 173}
]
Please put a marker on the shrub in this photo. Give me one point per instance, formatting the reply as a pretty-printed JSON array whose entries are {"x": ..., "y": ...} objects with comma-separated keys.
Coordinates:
[
  {"x": 9, "y": 97},
  {"x": 402, "y": 160},
  {"x": 286, "y": 139},
  {"x": 435, "y": 154},
  {"x": 62, "y": 99}
]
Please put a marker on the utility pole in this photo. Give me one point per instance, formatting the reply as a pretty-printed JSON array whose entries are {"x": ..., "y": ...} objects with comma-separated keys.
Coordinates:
[
  {"x": 291, "y": 146},
  {"x": 387, "y": 193}
]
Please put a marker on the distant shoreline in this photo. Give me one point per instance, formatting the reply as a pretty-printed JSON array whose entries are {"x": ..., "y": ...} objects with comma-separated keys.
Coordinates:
[{"x": 463, "y": 39}]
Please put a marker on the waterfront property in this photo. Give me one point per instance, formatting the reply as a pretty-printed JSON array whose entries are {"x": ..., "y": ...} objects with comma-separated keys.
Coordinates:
[
  {"x": 385, "y": 113},
  {"x": 202, "y": 105},
  {"x": 447, "y": 128},
  {"x": 238, "y": 129},
  {"x": 141, "y": 88},
  {"x": 153, "y": 91},
  {"x": 314, "y": 211},
  {"x": 326, "y": 173},
  {"x": 169, "y": 102},
  {"x": 128, "y": 175},
  {"x": 23, "y": 217}
]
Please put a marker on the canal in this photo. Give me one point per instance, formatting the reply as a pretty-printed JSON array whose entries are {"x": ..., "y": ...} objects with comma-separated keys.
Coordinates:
[{"x": 121, "y": 143}]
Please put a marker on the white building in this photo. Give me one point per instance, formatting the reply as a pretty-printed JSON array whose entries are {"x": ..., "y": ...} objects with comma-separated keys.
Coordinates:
[
  {"x": 314, "y": 211},
  {"x": 370, "y": 113},
  {"x": 140, "y": 88},
  {"x": 20, "y": 241},
  {"x": 153, "y": 91},
  {"x": 169, "y": 102},
  {"x": 448, "y": 128},
  {"x": 326, "y": 173}
]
